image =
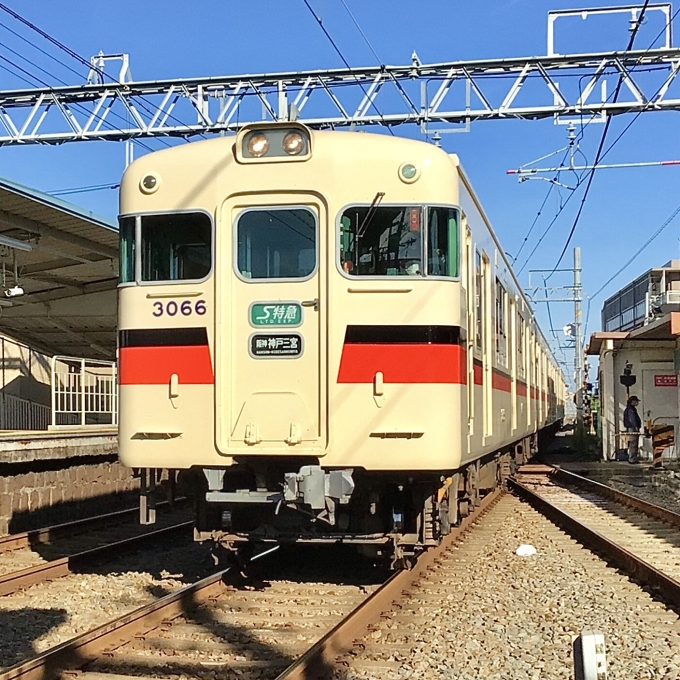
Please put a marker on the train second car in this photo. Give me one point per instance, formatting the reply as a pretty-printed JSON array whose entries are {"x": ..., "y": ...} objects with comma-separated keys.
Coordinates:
[{"x": 321, "y": 330}]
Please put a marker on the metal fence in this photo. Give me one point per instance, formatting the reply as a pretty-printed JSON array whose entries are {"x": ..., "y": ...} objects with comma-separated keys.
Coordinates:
[
  {"x": 22, "y": 414},
  {"x": 84, "y": 392}
]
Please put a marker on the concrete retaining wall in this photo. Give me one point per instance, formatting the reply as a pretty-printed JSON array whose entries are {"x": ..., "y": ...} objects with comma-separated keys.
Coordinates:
[{"x": 51, "y": 492}]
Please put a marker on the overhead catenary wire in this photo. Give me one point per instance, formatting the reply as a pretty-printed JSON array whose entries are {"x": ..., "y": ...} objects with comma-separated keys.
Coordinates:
[
  {"x": 538, "y": 214},
  {"x": 344, "y": 61},
  {"x": 609, "y": 148},
  {"x": 39, "y": 49},
  {"x": 80, "y": 59},
  {"x": 397, "y": 84},
  {"x": 600, "y": 148},
  {"x": 45, "y": 84}
]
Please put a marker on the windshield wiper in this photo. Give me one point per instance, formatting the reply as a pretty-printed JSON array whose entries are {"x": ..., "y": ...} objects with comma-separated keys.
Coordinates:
[{"x": 370, "y": 214}]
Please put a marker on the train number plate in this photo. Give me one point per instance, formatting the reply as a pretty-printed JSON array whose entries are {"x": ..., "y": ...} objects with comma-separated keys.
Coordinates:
[{"x": 275, "y": 345}]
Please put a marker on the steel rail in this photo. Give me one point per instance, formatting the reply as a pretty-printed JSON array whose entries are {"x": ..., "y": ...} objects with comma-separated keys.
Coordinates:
[
  {"x": 83, "y": 649},
  {"x": 319, "y": 660},
  {"x": 622, "y": 558},
  {"x": 76, "y": 652},
  {"x": 43, "y": 535},
  {"x": 10, "y": 583},
  {"x": 648, "y": 508}
]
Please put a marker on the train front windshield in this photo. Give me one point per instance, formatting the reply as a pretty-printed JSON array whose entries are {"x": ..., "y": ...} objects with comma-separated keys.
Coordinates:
[
  {"x": 165, "y": 247},
  {"x": 399, "y": 241}
]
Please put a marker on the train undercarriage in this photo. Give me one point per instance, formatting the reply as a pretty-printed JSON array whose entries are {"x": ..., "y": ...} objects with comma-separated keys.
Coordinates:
[{"x": 258, "y": 503}]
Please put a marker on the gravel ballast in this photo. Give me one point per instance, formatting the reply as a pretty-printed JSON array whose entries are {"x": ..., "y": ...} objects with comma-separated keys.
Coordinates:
[
  {"x": 499, "y": 615},
  {"x": 46, "y": 614}
]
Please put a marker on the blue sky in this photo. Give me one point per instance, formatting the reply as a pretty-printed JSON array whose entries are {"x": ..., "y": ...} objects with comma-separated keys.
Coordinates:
[{"x": 208, "y": 37}]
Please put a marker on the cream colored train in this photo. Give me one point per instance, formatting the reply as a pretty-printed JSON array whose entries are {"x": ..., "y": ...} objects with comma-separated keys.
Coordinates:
[{"x": 322, "y": 329}]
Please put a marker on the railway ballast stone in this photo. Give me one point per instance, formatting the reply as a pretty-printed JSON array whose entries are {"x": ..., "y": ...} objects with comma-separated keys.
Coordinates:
[{"x": 516, "y": 618}]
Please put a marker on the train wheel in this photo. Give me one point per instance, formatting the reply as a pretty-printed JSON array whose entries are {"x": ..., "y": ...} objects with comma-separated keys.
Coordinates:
[
  {"x": 472, "y": 484},
  {"x": 453, "y": 508},
  {"x": 444, "y": 522}
]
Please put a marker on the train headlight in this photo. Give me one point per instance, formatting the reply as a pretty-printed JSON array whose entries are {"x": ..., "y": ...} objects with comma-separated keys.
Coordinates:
[
  {"x": 287, "y": 142},
  {"x": 293, "y": 143},
  {"x": 258, "y": 144}
]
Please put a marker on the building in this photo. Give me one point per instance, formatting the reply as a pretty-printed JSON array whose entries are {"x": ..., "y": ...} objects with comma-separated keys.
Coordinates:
[
  {"x": 639, "y": 353},
  {"x": 650, "y": 295}
]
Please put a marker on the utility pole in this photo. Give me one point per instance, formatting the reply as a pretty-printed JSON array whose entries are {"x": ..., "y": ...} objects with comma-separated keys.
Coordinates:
[
  {"x": 572, "y": 293},
  {"x": 578, "y": 334}
]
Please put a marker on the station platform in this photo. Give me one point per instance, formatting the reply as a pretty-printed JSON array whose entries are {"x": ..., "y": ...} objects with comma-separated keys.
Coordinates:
[
  {"x": 54, "y": 476},
  {"x": 19, "y": 446}
]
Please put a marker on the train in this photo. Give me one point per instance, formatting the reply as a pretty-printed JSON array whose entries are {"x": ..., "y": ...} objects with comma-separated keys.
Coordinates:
[{"x": 320, "y": 332}]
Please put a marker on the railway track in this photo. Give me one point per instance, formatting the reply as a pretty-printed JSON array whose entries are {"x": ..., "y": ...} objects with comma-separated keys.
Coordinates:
[
  {"x": 288, "y": 630},
  {"x": 48, "y": 535},
  {"x": 641, "y": 538},
  {"x": 54, "y": 552},
  {"x": 304, "y": 629}
]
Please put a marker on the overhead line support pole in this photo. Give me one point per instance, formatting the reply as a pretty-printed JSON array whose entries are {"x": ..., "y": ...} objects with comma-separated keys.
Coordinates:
[{"x": 578, "y": 334}]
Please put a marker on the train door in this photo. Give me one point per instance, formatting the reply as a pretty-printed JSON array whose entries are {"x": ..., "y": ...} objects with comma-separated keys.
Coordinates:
[
  {"x": 270, "y": 356},
  {"x": 470, "y": 276},
  {"x": 487, "y": 347},
  {"x": 531, "y": 406},
  {"x": 512, "y": 355}
]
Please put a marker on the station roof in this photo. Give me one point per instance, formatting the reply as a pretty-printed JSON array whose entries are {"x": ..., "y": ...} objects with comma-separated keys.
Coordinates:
[{"x": 66, "y": 262}]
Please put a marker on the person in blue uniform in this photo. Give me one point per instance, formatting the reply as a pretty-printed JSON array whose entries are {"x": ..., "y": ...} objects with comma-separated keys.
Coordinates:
[{"x": 632, "y": 423}]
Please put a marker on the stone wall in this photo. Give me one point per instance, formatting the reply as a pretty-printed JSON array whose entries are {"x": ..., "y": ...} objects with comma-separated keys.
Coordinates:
[{"x": 51, "y": 492}]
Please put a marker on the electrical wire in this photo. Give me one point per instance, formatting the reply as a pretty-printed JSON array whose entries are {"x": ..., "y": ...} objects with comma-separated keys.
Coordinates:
[
  {"x": 628, "y": 262},
  {"x": 16, "y": 75},
  {"x": 643, "y": 247},
  {"x": 545, "y": 232},
  {"x": 345, "y": 62},
  {"x": 82, "y": 60},
  {"x": 39, "y": 49},
  {"x": 397, "y": 84},
  {"x": 45, "y": 84},
  {"x": 598, "y": 155},
  {"x": 601, "y": 155},
  {"x": 32, "y": 63},
  {"x": 538, "y": 214}
]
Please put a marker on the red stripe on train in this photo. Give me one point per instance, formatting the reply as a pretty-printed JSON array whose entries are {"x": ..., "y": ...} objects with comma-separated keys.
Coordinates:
[
  {"x": 478, "y": 369},
  {"x": 403, "y": 363},
  {"x": 155, "y": 365},
  {"x": 500, "y": 381}
]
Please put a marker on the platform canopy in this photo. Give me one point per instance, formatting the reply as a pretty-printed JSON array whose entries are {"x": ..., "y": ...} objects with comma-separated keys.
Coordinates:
[{"x": 65, "y": 259}]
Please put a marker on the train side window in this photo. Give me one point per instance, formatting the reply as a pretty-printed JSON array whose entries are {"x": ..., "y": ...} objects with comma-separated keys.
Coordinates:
[
  {"x": 384, "y": 241},
  {"x": 126, "y": 232},
  {"x": 501, "y": 336},
  {"x": 276, "y": 243},
  {"x": 442, "y": 250},
  {"x": 479, "y": 313},
  {"x": 176, "y": 247}
]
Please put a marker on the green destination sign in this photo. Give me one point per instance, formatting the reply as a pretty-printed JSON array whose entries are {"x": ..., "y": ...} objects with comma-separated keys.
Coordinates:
[{"x": 276, "y": 314}]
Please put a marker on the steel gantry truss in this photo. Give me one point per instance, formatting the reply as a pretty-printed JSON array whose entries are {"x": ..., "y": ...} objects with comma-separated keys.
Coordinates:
[{"x": 424, "y": 94}]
